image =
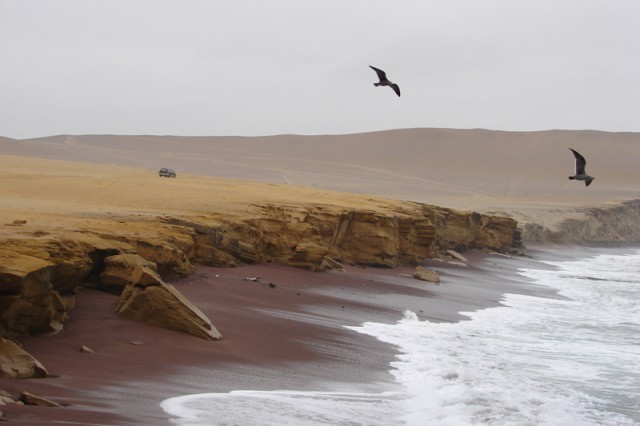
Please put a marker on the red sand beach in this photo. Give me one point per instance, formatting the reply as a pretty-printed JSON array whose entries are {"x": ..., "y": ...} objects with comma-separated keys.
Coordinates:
[
  {"x": 290, "y": 336},
  {"x": 287, "y": 337}
]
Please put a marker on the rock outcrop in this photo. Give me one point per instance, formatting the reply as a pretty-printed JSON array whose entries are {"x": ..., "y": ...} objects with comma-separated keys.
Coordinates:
[
  {"x": 40, "y": 271},
  {"x": 28, "y": 398},
  {"x": 164, "y": 306},
  {"x": 42, "y": 267},
  {"x": 315, "y": 237},
  {"x": 424, "y": 274},
  {"x": 15, "y": 363},
  {"x": 122, "y": 270},
  {"x": 6, "y": 398},
  {"x": 464, "y": 230},
  {"x": 602, "y": 225}
]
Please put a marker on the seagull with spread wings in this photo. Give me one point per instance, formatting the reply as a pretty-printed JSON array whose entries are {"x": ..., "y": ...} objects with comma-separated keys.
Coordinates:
[
  {"x": 580, "y": 173},
  {"x": 382, "y": 76}
]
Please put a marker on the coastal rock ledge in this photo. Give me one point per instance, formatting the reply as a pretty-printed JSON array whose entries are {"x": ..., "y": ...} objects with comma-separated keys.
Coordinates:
[{"x": 42, "y": 264}]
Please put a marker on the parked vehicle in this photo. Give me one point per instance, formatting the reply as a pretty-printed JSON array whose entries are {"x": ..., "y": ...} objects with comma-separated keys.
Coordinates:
[{"x": 165, "y": 172}]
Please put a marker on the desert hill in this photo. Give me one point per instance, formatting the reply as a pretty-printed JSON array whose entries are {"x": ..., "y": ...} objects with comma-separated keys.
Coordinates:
[
  {"x": 92, "y": 211},
  {"x": 470, "y": 169},
  {"x": 520, "y": 174}
]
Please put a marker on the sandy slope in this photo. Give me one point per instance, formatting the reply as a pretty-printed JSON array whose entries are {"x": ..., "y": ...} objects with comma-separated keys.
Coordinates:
[
  {"x": 69, "y": 194},
  {"x": 522, "y": 173}
]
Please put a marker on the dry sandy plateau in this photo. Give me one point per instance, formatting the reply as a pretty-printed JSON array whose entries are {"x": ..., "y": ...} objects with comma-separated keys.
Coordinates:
[
  {"x": 253, "y": 207},
  {"x": 523, "y": 174}
]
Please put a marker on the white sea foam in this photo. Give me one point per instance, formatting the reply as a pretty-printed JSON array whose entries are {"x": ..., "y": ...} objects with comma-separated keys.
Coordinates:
[
  {"x": 283, "y": 408},
  {"x": 533, "y": 361}
]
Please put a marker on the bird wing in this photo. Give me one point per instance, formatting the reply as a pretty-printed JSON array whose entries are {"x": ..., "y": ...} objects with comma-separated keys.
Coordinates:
[
  {"x": 396, "y": 89},
  {"x": 580, "y": 162},
  {"x": 382, "y": 76}
]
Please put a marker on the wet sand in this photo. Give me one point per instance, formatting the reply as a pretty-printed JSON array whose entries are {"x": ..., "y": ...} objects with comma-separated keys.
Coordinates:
[{"x": 289, "y": 335}]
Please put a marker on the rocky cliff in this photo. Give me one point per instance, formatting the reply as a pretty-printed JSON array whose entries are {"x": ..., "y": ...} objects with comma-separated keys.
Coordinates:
[
  {"x": 42, "y": 267},
  {"x": 598, "y": 225}
]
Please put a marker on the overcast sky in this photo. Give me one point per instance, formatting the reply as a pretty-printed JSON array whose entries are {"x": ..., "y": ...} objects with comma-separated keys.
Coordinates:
[{"x": 258, "y": 67}]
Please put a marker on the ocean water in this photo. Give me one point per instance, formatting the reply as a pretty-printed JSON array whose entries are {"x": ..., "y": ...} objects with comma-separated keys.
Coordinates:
[{"x": 573, "y": 360}]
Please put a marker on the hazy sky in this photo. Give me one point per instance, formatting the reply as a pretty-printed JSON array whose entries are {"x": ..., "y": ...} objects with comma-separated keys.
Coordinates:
[{"x": 258, "y": 67}]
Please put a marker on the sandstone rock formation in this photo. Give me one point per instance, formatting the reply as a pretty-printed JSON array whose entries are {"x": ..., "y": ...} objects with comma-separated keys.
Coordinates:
[
  {"x": 305, "y": 236},
  {"x": 457, "y": 255},
  {"x": 41, "y": 270},
  {"x": 28, "y": 398},
  {"x": 41, "y": 267},
  {"x": 128, "y": 269},
  {"x": 425, "y": 274},
  {"x": 162, "y": 305},
  {"x": 464, "y": 230},
  {"x": 86, "y": 350},
  {"x": 16, "y": 363},
  {"x": 616, "y": 224},
  {"x": 6, "y": 398}
]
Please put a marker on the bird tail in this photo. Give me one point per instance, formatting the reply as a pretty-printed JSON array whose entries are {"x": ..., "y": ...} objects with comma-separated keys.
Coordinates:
[{"x": 588, "y": 182}]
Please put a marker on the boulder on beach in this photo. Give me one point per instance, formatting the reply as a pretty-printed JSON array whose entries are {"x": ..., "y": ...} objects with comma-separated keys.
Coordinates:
[
  {"x": 16, "y": 363},
  {"x": 425, "y": 274},
  {"x": 6, "y": 398},
  {"x": 457, "y": 255},
  {"x": 124, "y": 269},
  {"x": 27, "y": 398},
  {"x": 163, "y": 305}
]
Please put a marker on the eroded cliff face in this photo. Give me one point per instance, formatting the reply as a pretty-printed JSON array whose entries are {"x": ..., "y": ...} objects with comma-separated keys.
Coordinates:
[
  {"x": 40, "y": 270},
  {"x": 315, "y": 237},
  {"x": 464, "y": 230},
  {"x": 602, "y": 225},
  {"x": 41, "y": 267}
]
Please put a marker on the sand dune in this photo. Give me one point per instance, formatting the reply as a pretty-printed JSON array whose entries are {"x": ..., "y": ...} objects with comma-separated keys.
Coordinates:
[{"x": 520, "y": 173}]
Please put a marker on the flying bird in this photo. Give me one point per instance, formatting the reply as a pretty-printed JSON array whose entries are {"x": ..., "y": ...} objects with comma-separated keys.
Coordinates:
[
  {"x": 580, "y": 173},
  {"x": 382, "y": 76}
]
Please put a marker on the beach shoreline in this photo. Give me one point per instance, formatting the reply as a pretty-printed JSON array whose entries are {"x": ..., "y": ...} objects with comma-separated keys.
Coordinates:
[{"x": 283, "y": 329}]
